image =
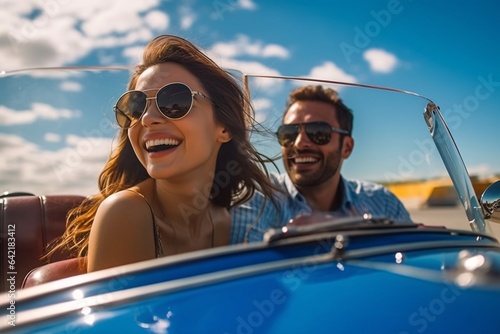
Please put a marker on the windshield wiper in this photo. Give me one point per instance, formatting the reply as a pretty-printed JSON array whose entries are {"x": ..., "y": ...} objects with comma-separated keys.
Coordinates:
[{"x": 345, "y": 224}]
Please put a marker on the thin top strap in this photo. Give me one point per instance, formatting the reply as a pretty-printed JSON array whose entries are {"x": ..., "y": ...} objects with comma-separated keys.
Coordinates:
[{"x": 156, "y": 231}]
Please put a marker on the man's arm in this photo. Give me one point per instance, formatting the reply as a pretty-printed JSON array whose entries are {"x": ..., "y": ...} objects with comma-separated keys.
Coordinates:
[
  {"x": 395, "y": 208},
  {"x": 376, "y": 199},
  {"x": 249, "y": 219}
]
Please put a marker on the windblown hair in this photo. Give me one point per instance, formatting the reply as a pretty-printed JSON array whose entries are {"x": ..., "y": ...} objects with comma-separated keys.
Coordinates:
[
  {"x": 231, "y": 109},
  {"x": 328, "y": 95}
]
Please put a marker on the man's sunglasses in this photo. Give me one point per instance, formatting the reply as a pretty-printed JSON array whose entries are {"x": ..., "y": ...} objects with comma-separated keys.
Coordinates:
[
  {"x": 319, "y": 133},
  {"x": 173, "y": 100}
]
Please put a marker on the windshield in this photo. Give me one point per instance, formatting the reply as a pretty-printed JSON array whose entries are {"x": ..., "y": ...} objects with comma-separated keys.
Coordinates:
[
  {"x": 58, "y": 126},
  {"x": 401, "y": 141}
]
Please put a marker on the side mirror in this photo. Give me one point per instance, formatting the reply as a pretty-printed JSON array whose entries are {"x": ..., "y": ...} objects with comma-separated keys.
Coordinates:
[{"x": 490, "y": 201}]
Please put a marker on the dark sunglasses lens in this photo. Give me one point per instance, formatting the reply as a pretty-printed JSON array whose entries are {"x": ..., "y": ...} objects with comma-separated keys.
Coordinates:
[
  {"x": 286, "y": 134},
  {"x": 130, "y": 108},
  {"x": 175, "y": 100},
  {"x": 319, "y": 132}
]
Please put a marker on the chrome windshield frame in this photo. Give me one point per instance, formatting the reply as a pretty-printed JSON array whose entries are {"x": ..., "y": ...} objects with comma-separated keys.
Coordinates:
[{"x": 455, "y": 165}]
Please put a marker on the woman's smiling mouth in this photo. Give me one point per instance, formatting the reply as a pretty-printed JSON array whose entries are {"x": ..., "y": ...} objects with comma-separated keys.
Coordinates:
[{"x": 156, "y": 145}]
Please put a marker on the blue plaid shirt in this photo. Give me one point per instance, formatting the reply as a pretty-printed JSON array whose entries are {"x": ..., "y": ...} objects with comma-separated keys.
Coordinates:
[{"x": 359, "y": 197}]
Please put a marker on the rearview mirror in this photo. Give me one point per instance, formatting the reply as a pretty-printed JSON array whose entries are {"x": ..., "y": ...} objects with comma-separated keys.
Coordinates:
[{"x": 490, "y": 201}]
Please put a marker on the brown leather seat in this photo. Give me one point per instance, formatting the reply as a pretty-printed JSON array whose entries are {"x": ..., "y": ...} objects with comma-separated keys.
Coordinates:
[
  {"x": 27, "y": 225},
  {"x": 54, "y": 271}
]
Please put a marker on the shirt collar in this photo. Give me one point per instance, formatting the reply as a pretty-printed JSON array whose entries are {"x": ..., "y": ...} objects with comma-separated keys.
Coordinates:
[
  {"x": 290, "y": 187},
  {"x": 347, "y": 197}
]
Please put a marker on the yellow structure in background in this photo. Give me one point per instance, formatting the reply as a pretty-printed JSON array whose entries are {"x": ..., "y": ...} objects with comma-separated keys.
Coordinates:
[{"x": 436, "y": 192}]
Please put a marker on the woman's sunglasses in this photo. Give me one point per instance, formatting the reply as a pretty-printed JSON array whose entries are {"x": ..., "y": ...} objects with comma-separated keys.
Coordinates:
[
  {"x": 173, "y": 100},
  {"x": 319, "y": 133}
]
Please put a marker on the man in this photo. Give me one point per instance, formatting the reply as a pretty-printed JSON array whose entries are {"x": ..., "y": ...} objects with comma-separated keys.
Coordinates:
[{"x": 315, "y": 139}]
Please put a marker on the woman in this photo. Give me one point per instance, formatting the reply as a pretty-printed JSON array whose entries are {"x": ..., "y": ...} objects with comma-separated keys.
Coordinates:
[{"x": 183, "y": 159}]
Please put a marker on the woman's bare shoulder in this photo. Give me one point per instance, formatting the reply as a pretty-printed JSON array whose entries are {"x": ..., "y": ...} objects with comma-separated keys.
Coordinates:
[
  {"x": 122, "y": 232},
  {"x": 125, "y": 205},
  {"x": 129, "y": 194}
]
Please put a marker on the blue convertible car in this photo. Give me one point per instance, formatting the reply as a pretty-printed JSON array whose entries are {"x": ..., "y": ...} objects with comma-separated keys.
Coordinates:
[{"x": 354, "y": 274}]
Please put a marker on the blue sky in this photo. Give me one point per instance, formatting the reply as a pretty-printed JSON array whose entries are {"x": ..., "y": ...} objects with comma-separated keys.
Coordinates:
[{"x": 447, "y": 51}]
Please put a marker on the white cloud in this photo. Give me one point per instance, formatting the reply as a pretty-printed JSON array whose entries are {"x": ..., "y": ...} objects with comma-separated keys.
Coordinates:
[
  {"x": 330, "y": 71},
  {"x": 481, "y": 170},
  {"x": 262, "y": 107},
  {"x": 66, "y": 31},
  {"x": 157, "y": 20},
  {"x": 253, "y": 67},
  {"x": 52, "y": 137},
  {"x": 37, "y": 111},
  {"x": 188, "y": 17},
  {"x": 63, "y": 32},
  {"x": 275, "y": 50},
  {"x": 220, "y": 8},
  {"x": 380, "y": 60},
  {"x": 72, "y": 170},
  {"x": 187, "y": 21},
  {"x": 107, "y": 22},
  {"x": 238, "y": 68},
  {"x": 243, "y": 46},
  {"x": 247, "y": 4},
  {"x": 71, "y": 86},
  {"x": 133, "y": 54}
]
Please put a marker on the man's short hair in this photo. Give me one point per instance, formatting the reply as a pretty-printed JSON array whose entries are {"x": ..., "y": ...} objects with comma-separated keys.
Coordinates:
[{"x": 323, "y": 94}]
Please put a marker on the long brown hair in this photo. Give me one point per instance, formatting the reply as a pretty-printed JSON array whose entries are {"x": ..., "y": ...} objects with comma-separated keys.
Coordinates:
[{"x": 231, "y": 109}]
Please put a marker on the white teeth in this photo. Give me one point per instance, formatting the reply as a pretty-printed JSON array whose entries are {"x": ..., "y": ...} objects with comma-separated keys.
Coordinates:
[
  {"x": 304, "y": 160},
  {"x": 162, "y": 141}
]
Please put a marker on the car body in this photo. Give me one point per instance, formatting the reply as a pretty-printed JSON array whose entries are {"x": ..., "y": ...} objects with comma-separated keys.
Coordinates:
[{"x": 354, "y": 274}]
